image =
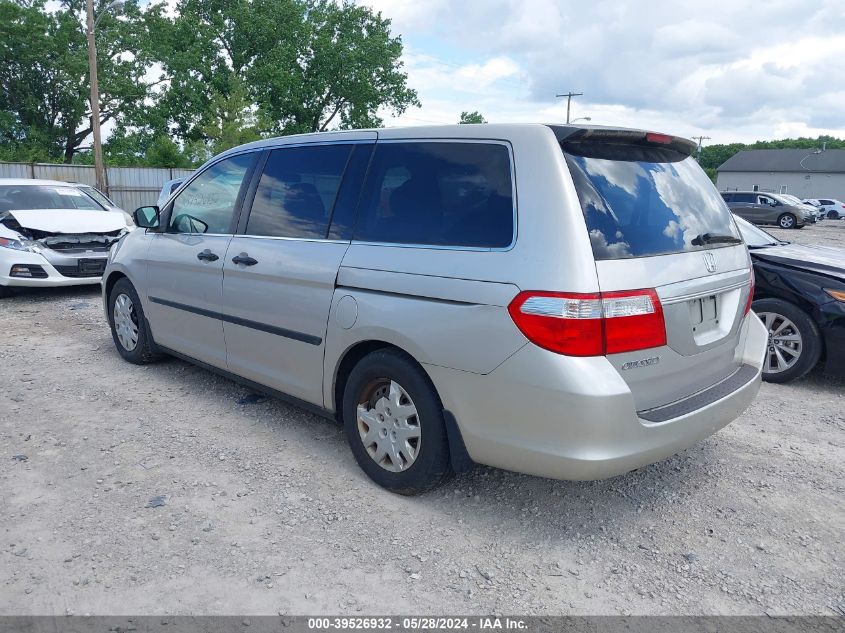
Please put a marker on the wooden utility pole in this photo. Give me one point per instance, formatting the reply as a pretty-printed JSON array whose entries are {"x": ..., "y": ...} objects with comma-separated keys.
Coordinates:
[
  {"x": 569, "y": 96},
  {"x": 99, "y": 169}
]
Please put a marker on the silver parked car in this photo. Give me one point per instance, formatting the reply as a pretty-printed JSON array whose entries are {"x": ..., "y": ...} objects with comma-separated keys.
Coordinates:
[
  {"x": 570, "y": 302},
  {"x": 167, "y": 189},
  {"x": 769, "y": 208}
]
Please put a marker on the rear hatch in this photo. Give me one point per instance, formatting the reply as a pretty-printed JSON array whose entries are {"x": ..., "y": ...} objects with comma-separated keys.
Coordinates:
[{"x": 656, "y": 221}]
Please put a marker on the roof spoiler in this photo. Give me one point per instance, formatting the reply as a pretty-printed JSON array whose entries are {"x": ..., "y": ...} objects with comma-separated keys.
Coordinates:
[{"x": 575, "y": 137}]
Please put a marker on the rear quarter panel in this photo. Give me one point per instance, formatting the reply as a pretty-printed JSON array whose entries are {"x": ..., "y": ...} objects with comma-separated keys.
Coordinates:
[{"x": 448, "y": 306}]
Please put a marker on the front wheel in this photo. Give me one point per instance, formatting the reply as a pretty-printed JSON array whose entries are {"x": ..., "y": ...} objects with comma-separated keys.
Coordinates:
[
  {"x": 394, "y": 423},
  {"x": 787, "y": 221},
  {"x": 794, "y": 344},
  {"x": 129, "y": 326}
]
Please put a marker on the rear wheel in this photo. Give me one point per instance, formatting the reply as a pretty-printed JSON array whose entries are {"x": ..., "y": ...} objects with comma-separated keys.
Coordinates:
[
  {"x": 794, "y": 344},
  {"x": 4, "y": 292},
  {"x": 394, "y": 424},
  {"x": 787, "y": 221},
  {"x": 129, "y": 326},
  {"x": 832, "y": 215}
]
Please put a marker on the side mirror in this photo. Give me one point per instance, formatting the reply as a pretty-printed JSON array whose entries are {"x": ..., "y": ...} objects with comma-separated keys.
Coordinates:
[{"x": 147, "y": 217}]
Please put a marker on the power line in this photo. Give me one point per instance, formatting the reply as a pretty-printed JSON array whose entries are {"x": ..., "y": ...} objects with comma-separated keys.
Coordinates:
[{"x": 569, "y": 96}]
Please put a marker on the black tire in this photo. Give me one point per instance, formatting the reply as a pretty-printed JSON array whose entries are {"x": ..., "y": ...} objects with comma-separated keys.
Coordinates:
[
  {"x": 811, "y": 340},
  {"x": 832, "y": 215},
  {"x": 144, "y": 351},
  {"x": 787, "y": 221},
  {"x": 5, "y": 292},
  {"x": 431, "y": 466}
]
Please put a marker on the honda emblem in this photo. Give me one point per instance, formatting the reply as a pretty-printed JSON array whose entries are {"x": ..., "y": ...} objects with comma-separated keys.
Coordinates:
[{"x": 710, "y": 262}]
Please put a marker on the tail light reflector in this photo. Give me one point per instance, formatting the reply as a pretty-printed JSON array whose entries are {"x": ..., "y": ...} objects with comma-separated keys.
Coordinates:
[
  {"x": 750, "y": 295},
  {"x": 590, "y": 324}
]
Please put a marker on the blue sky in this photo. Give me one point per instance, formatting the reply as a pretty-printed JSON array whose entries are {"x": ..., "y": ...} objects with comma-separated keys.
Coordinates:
[{"x": 733, "y": 70}]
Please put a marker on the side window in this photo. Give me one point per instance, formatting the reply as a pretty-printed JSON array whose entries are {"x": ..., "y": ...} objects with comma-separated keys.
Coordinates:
[
  {"x": 826, "y": 202},
  {"x": 207, "y": 204},
  {"x": 764, "y": 200},
  {"x": 744, "y": 197},
  {"x": 297, "y": 191},
  {"x": 728, "y": 197},
  {"x": 438, "y": 193}
]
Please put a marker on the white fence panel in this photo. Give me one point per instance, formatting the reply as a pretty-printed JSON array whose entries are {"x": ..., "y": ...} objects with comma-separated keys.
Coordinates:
[{"x": 15, "y": 170}]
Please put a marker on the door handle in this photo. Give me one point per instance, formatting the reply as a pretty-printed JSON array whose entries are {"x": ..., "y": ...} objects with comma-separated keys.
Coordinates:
[
  {"x": 207, "y": 256},
  {"x": 244, "y": 259}
]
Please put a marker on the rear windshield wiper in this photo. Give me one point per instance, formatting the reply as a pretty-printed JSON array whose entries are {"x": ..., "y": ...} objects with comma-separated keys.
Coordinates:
[{"x": 714, "y": 238}]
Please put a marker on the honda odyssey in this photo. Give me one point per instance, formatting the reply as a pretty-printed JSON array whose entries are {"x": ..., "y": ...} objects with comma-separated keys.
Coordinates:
[{"x": 566, "y": 301}]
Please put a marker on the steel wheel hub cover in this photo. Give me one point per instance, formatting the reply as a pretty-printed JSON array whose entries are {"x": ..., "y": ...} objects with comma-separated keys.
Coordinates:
[
  {"x": 125, "y": 322},
  {"x": 388, "y": 425}
]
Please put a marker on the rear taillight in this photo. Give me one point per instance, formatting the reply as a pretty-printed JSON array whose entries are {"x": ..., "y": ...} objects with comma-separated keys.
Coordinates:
[
  {"x": 750, "y": 295},
  {"x": 590, "y": 324}
]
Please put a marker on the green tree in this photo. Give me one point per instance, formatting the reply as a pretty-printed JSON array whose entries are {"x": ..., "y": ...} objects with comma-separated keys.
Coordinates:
[
  {"x": 240, "y": 69},
  {"x": 472, "y": 117},
  {"x": 44, "y": 90},
  {"x": 164, "y": 152}
]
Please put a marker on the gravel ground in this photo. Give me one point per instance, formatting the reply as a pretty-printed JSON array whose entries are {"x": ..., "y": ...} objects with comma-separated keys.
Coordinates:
[{"x": 129, "y": 489}]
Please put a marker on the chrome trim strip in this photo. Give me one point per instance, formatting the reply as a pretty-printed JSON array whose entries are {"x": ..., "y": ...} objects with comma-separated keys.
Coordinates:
[
  {"x": 291, "y": 239},
  {"x": 705, "y": 293}
]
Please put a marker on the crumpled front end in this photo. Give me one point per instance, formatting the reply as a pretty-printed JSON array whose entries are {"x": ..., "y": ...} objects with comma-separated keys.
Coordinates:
[{"x": 34, "y": 257}]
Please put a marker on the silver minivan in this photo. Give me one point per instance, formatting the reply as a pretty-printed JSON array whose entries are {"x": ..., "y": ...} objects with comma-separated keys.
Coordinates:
[
  {"x": 566, "y": 301},
  {"x": 770, "y": 208}
]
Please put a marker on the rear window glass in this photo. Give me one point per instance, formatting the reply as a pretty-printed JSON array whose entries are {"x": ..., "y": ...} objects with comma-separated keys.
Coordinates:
[
  {"x": 638, "y": 208},
  {"x": 438, "y": 193}
]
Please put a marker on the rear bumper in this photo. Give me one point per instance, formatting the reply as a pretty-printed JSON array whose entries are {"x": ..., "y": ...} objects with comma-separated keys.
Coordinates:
[
  {"x": 574, "y": 418},
  {"x": 54, "y": 278}
]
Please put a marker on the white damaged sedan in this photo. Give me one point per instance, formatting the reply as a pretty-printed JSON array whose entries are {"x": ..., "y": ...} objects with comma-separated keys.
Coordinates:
[{"x": 52, "y": 234}]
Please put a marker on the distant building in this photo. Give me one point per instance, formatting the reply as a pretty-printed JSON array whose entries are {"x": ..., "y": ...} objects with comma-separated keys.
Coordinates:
[{"x": 800, "y": 172}]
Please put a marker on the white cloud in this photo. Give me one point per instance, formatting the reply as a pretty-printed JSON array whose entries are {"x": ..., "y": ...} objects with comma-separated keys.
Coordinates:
[{"x": 730, "y": 70}]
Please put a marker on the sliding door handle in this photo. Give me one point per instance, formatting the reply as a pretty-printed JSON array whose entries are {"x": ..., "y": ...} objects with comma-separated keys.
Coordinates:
[{"x": 244, "y": 259}]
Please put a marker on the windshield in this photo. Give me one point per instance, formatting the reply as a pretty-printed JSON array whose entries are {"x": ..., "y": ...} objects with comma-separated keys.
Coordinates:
[
  {"x": 28, "y": 197},
  {"x": 789, "y": 199},
  {"x": 98, "y": 196},
  {"x": 754, "y": 236},
  {"x": 635, "y": 208}
]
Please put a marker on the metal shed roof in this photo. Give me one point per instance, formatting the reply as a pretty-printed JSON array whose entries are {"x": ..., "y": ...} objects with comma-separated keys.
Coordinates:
[{"x": 786, "y": 160}]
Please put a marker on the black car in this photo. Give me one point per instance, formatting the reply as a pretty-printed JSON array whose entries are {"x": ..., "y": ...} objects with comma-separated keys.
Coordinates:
[{"x": 800, "y": 297}]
